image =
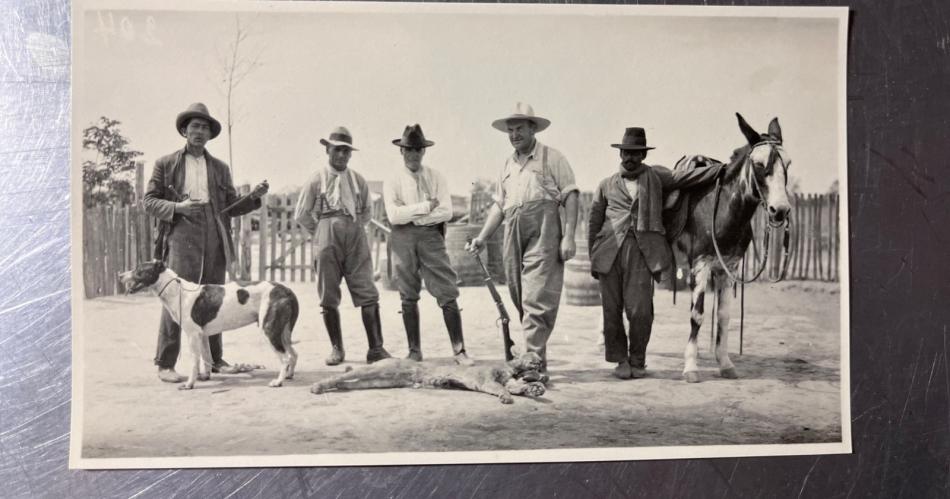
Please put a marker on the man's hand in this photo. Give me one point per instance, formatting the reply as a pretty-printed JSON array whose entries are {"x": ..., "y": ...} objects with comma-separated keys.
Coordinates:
[
  {"x": 189, "y": 208},
  {"x": 475, "y": 245},
  {"x": 259, "y": 190},
  {"x": 568, "y": 248},
  {"x": 433, "y": 203}
]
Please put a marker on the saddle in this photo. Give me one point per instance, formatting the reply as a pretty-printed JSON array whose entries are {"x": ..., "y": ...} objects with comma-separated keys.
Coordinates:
[{"x": 676, "y": 202}]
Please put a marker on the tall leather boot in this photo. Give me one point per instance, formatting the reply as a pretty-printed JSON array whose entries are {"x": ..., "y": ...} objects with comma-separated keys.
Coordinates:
[
  {"x": 374, "y": 334},
  {"x": 453, "y": 323},
  {"x": 410, "y": 318},
  {"x": 331, "y": 319}
]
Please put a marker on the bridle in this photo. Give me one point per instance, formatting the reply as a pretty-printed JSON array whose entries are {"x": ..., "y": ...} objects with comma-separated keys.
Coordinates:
[{"x": 774, "y": 158}]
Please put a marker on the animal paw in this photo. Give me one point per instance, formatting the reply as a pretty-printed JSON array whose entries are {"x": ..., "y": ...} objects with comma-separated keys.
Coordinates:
[
  {"x": 317, "y": 389},
  {"x": 274, "y": 383},
  {"x": 534, "y": 389},
  {"x": 691, "y": 376}
]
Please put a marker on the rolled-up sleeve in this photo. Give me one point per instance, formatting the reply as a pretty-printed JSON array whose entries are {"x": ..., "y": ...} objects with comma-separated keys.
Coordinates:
[
  {"x": 499, "y": 195},
  {"x": 563, "y": 177},
  {"x": 303, "y": 212}
]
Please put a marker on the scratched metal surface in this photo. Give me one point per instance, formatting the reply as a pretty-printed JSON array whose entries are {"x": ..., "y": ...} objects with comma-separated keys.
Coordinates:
[{"x": 899, "y": 70}]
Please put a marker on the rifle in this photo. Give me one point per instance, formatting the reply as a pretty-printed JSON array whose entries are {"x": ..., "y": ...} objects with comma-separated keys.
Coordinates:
[{"x": 502, "y": 312}]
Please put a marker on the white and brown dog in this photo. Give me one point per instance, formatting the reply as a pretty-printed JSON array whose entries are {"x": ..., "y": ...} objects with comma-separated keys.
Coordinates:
[{"x": 203, "y": 310}]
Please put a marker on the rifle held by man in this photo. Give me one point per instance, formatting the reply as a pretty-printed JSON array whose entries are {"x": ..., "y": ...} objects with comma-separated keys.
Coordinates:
[{"x": 502, "y": 312}]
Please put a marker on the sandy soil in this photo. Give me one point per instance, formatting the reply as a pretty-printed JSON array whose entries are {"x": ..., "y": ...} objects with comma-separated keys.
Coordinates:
[{"x": 789, "y": 391}]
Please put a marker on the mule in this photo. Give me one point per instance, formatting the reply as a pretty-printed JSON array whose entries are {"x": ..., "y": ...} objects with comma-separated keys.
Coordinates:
[{"x": 756, "y": 175}]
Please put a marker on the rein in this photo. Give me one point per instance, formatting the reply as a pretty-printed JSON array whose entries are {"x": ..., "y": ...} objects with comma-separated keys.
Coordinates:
[{"x": 773, "y": 155}]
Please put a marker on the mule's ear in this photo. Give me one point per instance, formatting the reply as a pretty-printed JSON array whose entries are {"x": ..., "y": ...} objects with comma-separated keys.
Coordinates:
[
  {"x": 775, "y": 130},
  {"x": 751, "y": 135}
]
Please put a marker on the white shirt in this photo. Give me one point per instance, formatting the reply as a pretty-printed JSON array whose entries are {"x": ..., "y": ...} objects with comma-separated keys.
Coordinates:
[
  {"x": 633, "y": 187},
  {"x": 405, "y": 196},
  {"x": 196, "y": 178}
]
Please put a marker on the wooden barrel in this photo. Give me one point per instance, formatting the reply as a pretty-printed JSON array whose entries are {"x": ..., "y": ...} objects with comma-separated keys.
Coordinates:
[
  {"x": 580, "y": 289},
  {"x": 456, "y": 237}
]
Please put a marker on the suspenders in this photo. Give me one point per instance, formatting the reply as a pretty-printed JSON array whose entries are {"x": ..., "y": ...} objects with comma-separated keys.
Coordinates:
[{"x": 354, "y": 188}]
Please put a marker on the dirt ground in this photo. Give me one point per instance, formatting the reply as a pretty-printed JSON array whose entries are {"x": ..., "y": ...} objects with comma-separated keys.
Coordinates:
[{"x": 788, "y": 391}]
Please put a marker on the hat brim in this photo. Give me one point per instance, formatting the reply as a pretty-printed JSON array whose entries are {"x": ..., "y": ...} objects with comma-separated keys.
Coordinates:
[
  {"x": 400, "y": 143},
  {"x": 183, "y": 118},
  {"x": 626, "y": 147},
  {"x": 502, "y": 124},
  {"x": 337, "y": 143}
]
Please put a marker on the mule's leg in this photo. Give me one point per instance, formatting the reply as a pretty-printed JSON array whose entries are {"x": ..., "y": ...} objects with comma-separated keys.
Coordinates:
[
  {"x": 724, "y": 294},
  {"x": 701, "y": 275}
]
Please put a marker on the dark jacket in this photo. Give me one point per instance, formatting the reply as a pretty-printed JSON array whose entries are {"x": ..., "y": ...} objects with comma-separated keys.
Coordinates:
[
  {"x": 160, "y": 202},
  {"x": 613, "y": 212}
]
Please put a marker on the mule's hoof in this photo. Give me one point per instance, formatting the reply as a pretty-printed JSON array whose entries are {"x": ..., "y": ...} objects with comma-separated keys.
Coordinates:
[
  {"x": 729, "y": 373},
  {"x": 274, "y": 384},
  {"x": 186, "y": 386},
  {"x": 204, "y": 377},
  {"x": 506, "y": 399},
  {"x": 691, "y": 377}
]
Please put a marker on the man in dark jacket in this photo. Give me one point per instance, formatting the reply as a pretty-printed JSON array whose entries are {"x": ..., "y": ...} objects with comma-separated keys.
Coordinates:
[
  {"x": 187, "y": 192},
  {"x": 628, "y": 247}
]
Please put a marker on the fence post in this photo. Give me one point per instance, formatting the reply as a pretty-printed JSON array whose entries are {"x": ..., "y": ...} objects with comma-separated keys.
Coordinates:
[{"x": 262, "y": 233}]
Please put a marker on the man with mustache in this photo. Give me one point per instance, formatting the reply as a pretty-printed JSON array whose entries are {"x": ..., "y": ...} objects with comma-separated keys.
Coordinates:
[
  {"x": 334, "y": 208},
  {"x": 188, "y": 191},
  {"x": 418, "y": 204},
  {"x": 535, "y": 183},
  {"x": 628, "y": 246}
]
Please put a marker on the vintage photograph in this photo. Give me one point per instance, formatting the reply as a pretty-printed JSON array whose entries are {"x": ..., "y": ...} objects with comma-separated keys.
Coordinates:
[{"x": 398, "y": 233}]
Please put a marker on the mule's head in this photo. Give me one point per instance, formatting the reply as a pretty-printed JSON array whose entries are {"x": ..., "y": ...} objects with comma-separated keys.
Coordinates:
[
  {"x": 142, "y": 276},
  {"x": 768, "y": 169}
]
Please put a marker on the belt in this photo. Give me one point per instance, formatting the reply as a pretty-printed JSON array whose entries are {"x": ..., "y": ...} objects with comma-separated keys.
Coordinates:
[{"x": 332, "y": 214}]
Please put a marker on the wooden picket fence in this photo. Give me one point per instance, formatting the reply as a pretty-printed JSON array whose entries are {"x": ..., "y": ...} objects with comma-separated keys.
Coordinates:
[{"x": 269, "y": 245}]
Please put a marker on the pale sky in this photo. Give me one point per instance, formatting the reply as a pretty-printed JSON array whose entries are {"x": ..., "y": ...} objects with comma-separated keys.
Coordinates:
[{"x": 592, "y": 75}]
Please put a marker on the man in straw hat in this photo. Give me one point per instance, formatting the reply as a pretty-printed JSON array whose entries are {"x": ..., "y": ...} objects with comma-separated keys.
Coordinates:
[
  {"x": 189, "y": 192},
  {"x": 418, "y": 204},
  {"x": 334, "y": 207},
  {"x": 628, "y": 246},
  {"x": 535, "y": 182}
]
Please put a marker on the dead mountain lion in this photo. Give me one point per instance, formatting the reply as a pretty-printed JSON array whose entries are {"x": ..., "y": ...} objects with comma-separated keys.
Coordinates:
[{"x": 520, "y": 376}]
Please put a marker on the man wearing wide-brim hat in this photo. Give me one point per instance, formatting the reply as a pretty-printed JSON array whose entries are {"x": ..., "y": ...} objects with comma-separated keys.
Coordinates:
[
  {"x": 418, "y": 204},
  {"x": 192, "y": 194},
  {"x": 334, "y": 207},
  {"x": 628, "y": 246},
  {"x": 534, "y": 184}
]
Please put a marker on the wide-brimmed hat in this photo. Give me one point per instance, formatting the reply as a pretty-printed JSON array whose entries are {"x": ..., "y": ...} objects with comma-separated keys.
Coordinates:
[
  {"x": 197, "y": 110},
  {"x": 413, "y": 138},
  {"x": 634, "y": 139},
  {"x": 522, "y": 112},
  {"x": 340, "y": 136}
]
